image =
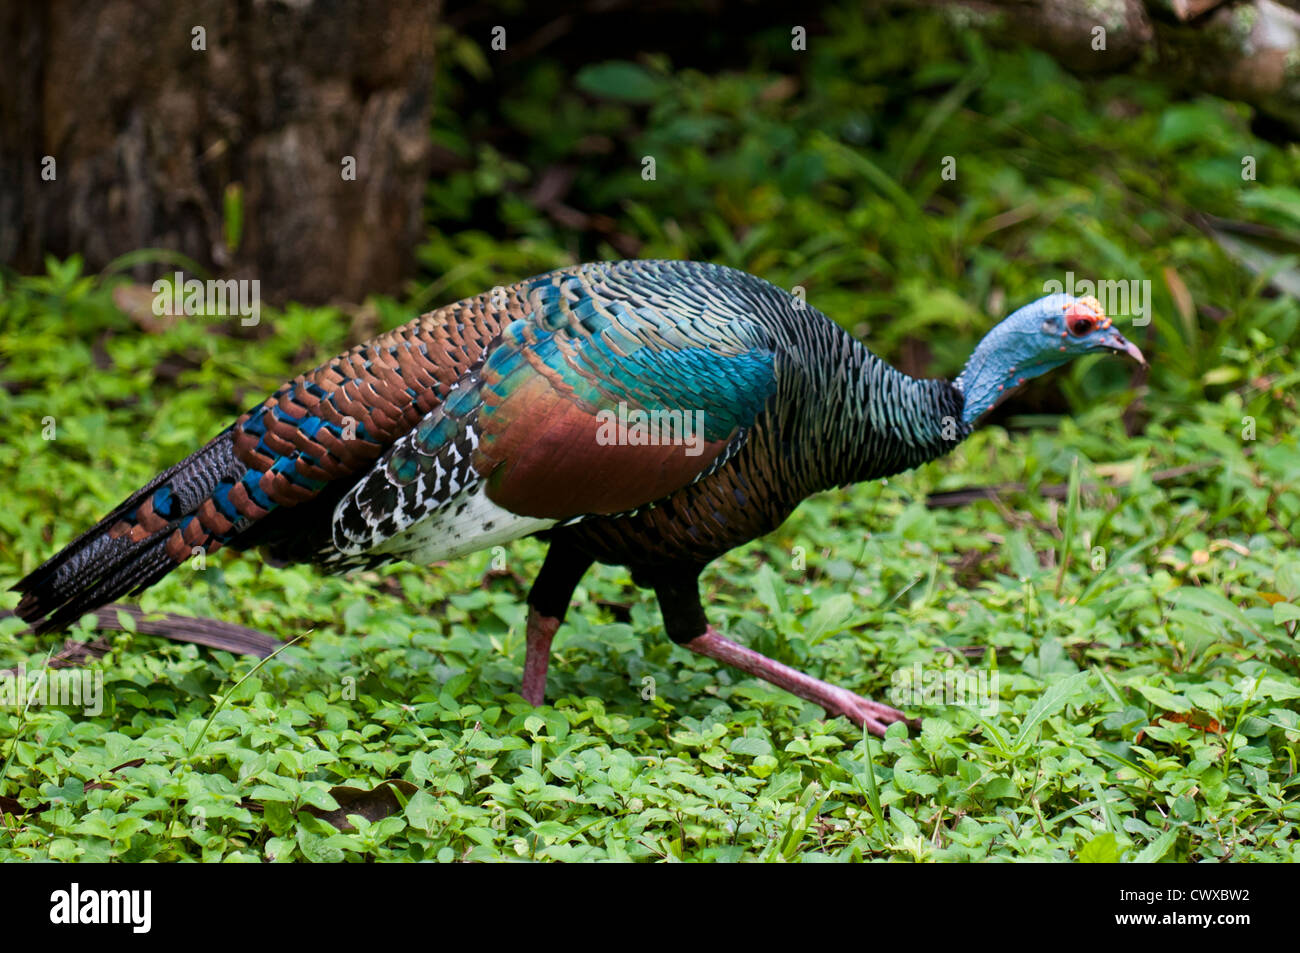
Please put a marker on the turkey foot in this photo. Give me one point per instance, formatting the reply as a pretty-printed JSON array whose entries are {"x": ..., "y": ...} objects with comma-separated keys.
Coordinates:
[
  {"x": 837, "y": 701},
  {"x": 537, "y": 655}
]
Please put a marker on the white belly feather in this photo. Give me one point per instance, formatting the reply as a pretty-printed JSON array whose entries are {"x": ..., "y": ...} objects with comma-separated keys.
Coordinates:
[{"x": 467, "y": 523}]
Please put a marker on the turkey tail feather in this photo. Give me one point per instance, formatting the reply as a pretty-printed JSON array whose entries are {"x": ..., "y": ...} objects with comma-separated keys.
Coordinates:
[{"x": 128, "y": 550}]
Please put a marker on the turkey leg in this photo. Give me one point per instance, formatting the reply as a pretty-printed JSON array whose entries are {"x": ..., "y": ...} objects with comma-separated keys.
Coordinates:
[
  {"x": 537, "y": 655},
  {"x": 548, "y": 601},
  {"x": 863, "y": 712}
]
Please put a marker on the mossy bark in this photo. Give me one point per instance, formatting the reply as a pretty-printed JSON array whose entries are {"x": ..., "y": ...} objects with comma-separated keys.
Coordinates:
[{"x": 1242, "y": 49}]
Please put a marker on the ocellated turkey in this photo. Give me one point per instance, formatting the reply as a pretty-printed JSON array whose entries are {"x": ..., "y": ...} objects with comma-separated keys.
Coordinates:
[{"x": 481, "y": 422}]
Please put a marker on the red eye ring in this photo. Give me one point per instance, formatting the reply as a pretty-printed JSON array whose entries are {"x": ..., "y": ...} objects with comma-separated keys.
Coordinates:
[{"x": 1084, "y": 316}]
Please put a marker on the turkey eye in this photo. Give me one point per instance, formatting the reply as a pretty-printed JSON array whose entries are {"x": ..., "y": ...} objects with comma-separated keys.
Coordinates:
[{"x": 1081, "y": 326}]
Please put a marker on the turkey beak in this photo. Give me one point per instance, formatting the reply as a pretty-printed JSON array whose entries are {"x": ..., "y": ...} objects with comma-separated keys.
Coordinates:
[{"x": 1117, "y": 342}]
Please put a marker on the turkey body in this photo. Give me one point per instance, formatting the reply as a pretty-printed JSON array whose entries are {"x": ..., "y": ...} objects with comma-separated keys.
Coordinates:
[{"x": 799, "y": 370}]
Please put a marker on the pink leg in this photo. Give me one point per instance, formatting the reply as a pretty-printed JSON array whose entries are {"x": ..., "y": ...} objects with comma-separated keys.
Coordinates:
[
  {"x": 541, "y": 629},
  {"x": 837, "y": 701}
]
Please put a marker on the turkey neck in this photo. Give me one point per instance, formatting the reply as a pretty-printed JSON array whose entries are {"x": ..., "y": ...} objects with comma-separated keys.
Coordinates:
[{"x": 842, "y": 415}]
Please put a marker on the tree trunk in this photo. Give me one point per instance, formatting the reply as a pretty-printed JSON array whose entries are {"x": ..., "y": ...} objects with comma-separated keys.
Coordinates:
[{"x": 221, "y": 130}]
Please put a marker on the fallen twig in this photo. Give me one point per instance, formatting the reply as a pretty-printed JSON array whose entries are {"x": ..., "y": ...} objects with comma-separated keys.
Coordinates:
[
  {"x": 1059, "y": 491},
  {"x": 215, "y": 634}
]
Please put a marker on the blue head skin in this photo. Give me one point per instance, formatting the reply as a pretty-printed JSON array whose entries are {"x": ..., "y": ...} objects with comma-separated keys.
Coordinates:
[{"x": 1040, "y": 336}]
